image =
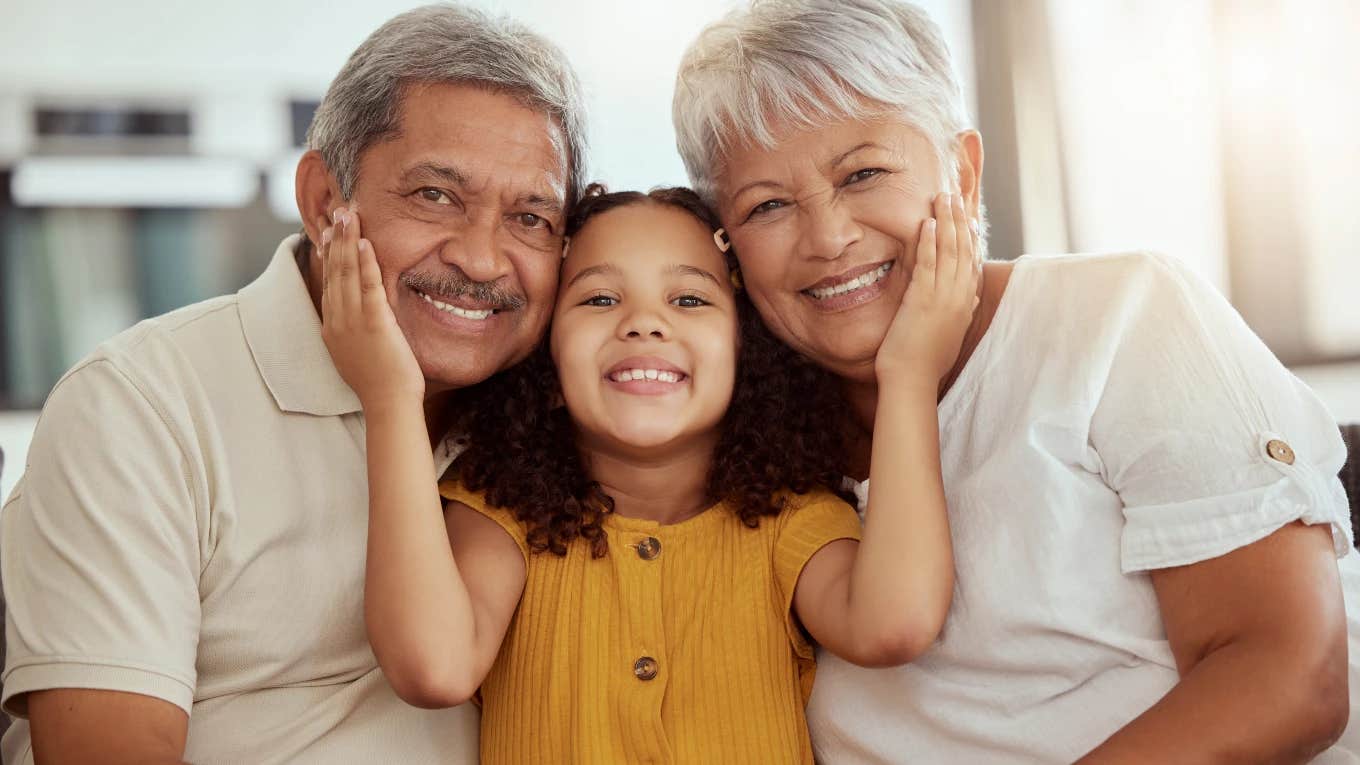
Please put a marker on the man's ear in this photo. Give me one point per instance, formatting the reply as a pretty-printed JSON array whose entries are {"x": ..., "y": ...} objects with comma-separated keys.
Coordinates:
[{"x": 317, "y": 193}]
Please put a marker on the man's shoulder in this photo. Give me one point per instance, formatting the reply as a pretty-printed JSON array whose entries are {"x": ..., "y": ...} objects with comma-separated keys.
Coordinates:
[
  {"x": 158, "y": 354},
  {"x": 214, "y": 319}
]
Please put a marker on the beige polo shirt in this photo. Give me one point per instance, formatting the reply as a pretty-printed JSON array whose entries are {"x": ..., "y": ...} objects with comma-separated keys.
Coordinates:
[{"x": 192, "y": 526}]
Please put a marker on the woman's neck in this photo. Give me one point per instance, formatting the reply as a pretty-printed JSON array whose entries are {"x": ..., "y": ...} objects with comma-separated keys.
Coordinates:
[{"x": 666, "y": 488}]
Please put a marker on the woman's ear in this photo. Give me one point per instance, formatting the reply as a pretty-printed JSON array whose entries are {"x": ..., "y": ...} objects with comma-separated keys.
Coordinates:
[{"x": 968, "y": 160}]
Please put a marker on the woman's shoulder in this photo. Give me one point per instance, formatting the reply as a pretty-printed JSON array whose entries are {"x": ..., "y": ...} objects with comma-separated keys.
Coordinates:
[
  {"x": 1099, "y": 296},
  {"x": 1105, "y": 272}
]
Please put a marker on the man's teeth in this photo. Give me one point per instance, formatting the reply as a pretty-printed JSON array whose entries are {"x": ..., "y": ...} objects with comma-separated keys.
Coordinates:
[
  {"x": 466, "y": 313},
  {"x": 660, "y": 375},
  {"x": 863, "y": 280}
]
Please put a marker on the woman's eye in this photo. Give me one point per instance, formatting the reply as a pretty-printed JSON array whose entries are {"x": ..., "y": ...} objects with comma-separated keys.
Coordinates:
[
  {"x": 600, "y": 301},
  {"x": 769, "y": 205},
  {"x": 434, "y": 196},
  {"x": 862, "y": 175},
  {"x": 690, "y": 301}
]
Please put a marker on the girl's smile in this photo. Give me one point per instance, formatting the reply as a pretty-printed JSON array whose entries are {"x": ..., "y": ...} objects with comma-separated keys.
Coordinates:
[{"x": 644, "y": 337}]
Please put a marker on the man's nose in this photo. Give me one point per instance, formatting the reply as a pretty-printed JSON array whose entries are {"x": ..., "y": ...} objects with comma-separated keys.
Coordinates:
[{"x": 476, "y": 251}]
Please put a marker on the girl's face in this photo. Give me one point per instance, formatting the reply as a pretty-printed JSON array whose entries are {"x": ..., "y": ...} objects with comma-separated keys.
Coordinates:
[{"x": 644, "y": 335}]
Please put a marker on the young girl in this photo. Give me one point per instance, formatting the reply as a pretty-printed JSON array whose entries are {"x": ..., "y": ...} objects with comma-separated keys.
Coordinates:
[{"x": 636, "y": 553}]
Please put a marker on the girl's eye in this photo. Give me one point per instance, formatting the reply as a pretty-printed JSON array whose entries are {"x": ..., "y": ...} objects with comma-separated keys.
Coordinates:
[
  {"x": 600, "y": 301},
  {"x": 862, "y": 175},
  {"x": 434, "y": 196},
  {"x": 769, "y": 205},
  {"x": 690, "y": 301}
]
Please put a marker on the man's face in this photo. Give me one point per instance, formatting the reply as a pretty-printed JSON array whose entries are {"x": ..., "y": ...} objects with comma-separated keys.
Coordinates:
[{"x": 464, "y": 207}]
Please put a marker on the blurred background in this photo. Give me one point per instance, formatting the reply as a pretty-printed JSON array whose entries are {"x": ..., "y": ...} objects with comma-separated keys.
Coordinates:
[{"x": 147, "y": 150}]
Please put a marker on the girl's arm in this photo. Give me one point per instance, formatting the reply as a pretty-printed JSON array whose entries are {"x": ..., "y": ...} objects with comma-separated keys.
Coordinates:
[
  {"x": 435, "y": 621},
  {"x": 882, "y": 601},
  {"x": 440, "y": 588}
]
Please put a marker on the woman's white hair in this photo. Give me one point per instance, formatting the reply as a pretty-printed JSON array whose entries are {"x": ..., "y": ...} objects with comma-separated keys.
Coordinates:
[
  {"x": 806, "y": 64},
  {"x": 443, "y": 43}
]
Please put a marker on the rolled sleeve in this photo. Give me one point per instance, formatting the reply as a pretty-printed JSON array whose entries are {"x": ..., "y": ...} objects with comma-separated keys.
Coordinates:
[
  {"x": 100, "y": 548},
  {"x": 1210, "y": 442}
]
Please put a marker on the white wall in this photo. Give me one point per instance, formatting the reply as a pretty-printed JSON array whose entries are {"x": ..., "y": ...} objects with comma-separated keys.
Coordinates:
[
  {"x": 238, "y": 63},
  {"x": 16, "y": 429}
]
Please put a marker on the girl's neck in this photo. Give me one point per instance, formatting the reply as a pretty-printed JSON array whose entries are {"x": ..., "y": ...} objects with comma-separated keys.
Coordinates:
[{"x": 667, "y": 485}]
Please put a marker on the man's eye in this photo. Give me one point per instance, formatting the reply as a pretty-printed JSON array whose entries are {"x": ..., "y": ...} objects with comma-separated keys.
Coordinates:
[
  {"x": 862, "y": 175},
  {"x": 690, "y": 301},
  {"x": 435, "y": 196},
  {"x": 529, "y": 220},
  {"x": 600, "y": 301}
]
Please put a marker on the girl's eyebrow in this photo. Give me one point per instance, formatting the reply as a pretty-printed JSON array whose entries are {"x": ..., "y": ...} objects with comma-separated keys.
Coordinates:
[
  {"x": 682, "y": 269},
  {"x": 604, "y": 269}
]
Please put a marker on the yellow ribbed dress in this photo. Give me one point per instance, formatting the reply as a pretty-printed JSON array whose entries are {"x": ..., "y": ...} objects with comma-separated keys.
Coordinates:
[{"x": 677, "y": 647}]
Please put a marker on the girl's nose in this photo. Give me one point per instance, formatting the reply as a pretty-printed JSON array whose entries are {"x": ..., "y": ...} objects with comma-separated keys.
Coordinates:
[{"x": 644, "y": 323}]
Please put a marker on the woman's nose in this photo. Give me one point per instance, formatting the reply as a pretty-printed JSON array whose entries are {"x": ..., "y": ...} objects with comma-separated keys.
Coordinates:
[{"x": 828, "y": 228}]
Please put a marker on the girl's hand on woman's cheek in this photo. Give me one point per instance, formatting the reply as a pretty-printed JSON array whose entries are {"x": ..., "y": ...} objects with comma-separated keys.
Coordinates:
[
  {"x": 357, "y": 324},
  {"x": 923, "y": 341}
]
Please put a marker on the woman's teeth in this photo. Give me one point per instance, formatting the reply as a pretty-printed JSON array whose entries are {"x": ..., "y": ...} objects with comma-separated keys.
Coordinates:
[
  {"x": 863, "y": 280},
  {"x": 466, "y": 313},
  {"x": 660, "y": 375}
]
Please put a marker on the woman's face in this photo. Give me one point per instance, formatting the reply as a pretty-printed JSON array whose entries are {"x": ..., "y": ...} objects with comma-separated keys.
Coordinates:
[
  {"x": 825, "y": 228},
  {"x": 644, "y": 336}
]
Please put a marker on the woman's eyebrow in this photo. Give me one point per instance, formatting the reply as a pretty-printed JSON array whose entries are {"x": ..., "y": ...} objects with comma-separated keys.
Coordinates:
[{"x": 847, "y": 154}]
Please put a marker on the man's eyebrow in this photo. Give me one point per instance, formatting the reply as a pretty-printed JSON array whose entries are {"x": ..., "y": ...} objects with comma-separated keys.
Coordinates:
[
  {"x": 604, "y": 269},
  {"x": 435, "y": 171},
  {"x": 551, "y": 205},
  {"x": 846, "y": 155},
  {"x": 682, "y": 269}
]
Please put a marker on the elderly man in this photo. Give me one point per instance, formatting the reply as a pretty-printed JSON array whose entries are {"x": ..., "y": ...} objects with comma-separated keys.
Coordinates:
[{"x": 184, "y": 557}]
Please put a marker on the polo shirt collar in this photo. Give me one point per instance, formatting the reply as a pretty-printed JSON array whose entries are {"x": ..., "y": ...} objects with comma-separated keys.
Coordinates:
[{"x": 283, "y": 330}]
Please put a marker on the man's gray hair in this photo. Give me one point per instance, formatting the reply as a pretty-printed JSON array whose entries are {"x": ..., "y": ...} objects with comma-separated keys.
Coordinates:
[
  {"x": 808, "y": 63},
  {"x": 443, "y": 43}
]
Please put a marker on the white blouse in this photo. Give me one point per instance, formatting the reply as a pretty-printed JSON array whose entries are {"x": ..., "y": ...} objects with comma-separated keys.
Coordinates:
[{"x": 1117, "y": 417}]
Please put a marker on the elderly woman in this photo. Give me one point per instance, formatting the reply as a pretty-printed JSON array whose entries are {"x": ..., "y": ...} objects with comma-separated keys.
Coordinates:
[{"x": 1144, "y": 505}]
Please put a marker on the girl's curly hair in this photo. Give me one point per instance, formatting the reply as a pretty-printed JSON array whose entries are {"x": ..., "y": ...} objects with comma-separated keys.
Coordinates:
[{"x": 784, "y": 429}]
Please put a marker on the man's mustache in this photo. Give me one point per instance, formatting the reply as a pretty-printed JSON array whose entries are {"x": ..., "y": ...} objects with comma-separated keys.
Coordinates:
[{"x": 456, "y": 284}]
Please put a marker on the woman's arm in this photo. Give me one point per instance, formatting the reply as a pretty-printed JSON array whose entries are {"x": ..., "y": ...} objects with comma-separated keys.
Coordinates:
[
  {"x": 883, "y": 601},
  {"x": 1259, "y": 636},
  {"x": 435, "y": 622}
]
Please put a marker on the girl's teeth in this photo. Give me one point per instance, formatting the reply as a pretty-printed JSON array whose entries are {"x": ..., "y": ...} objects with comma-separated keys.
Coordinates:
[
  {"x": 455, "y": 310},
  {"x": 628, "y": 375},
  {"x": 863, "y": 280}
]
